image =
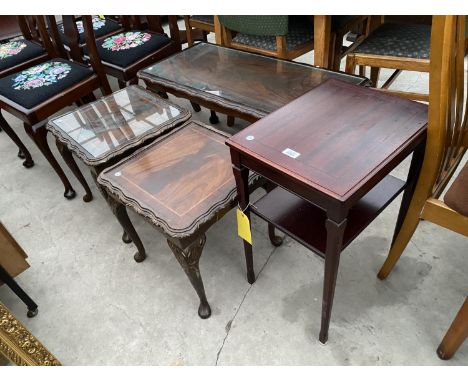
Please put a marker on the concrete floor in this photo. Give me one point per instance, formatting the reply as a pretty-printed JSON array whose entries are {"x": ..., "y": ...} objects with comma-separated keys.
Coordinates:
[{"x": 98, "y": 307}]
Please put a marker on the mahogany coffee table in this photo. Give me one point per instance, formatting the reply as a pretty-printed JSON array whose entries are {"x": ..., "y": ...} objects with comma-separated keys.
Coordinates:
[
  {"x": 237, "y": 83},
  {"x": 332, "y": 163},
  {"x": 181, "y": 183}
]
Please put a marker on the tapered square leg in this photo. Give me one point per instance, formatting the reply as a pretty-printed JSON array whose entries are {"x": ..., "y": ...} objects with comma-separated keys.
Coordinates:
[{"x": 335, "y": 231}]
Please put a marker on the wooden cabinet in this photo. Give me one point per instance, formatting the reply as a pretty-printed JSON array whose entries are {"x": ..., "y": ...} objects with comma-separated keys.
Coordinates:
[{"x": 12, "y": 256}]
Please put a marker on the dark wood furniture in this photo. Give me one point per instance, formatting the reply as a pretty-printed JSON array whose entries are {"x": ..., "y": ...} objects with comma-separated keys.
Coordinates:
[
  {"x": 12, "y": 263},
  {"x": 331, "y": 152},
  {"x": 236, "y": 83},
  {"x": 124, "y": 53},
  {"x": 22, "y": 52},
  {"x": 181, "y": 183},
  {"x": 37, "y": 92},
  {"x": 103, "y": 132},
  {"x": 456, "y": 334}
]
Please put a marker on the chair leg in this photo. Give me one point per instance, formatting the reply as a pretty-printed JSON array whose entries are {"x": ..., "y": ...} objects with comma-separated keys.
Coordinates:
[
  {"x": 362, "y": 70},
  {"x": 68, "y": 158},
  {"x": 374, "y": 76},
  {"x": 456, "y": 334},
  {"x": 39, "y": 136},
  {"x": 350, "y": 64},
  {"x": 23, "y": 152},
  {"x": 402, "y": 239},
  {"x": 122, "y": 84}
]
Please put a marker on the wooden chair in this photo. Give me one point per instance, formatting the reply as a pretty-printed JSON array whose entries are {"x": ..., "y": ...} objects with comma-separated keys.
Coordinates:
[
  {"x": 341, "y": 25},
  {"x": 399, "y": 46},
  {"x": 197, "y": 27},
  {"x": 102, "y": 27},
  {"x": 124, "y": 54},
  {"x": 39, "y": 91},
  {"x": 446, "y": 142},
  {"x": 286, "y": 37},
  {"x": 20, "y": 52},
  {"x": 456, "y": 335}
]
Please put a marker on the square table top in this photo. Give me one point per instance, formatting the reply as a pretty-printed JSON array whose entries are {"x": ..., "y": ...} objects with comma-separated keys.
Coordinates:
[
  {"x": 113, "y": 124},
  {"x": 334, "y": 138},
  {"x": 250, "y": 83},
  {"x": 179, "y": 182}
]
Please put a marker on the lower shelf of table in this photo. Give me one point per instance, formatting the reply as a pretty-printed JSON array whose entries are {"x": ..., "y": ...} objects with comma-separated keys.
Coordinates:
[{"x": 305, "y": 222}]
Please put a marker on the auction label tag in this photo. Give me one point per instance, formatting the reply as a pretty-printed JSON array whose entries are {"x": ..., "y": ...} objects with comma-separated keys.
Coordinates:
[
  {"x": 291, "y": 153},
  {"x": 243, "y": 227}
]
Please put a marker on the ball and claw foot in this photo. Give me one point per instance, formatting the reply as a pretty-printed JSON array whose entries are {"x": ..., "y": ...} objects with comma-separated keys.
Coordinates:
[
  {"x": 32, "y": 313},
  {"x": 28, "y": 164},
  {"x": 139, "y": 257},
  {"x": 126, "y": 238},
  {"x": 69, "y": 194},
  {"x": 204, "y": 310}
]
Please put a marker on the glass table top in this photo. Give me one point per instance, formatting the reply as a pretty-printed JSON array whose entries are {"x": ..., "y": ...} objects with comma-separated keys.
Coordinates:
[
  {"x": 262, "y": 84},
  {"x": 115, "y": 123}
]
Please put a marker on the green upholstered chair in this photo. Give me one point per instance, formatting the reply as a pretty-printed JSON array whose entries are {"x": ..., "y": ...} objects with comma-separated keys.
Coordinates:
[{"x": 280, "y": 36}]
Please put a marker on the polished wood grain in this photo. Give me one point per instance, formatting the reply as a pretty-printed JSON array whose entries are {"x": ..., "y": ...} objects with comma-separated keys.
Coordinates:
[
  {"x": 114, "y": 124},
  {"x": 178, "y": 181},
  {"x": 331, "y": 151},
  {"x": 244, "y": 84},
  {"x": 182, "y": 183},
  {"x": 341, "y": 143}
]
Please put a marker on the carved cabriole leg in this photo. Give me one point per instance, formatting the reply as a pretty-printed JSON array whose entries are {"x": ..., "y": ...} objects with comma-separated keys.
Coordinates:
[
  {"x": 39, "y": 136},
  {"x": 120, "y": 213},
  {"x": 94, "y": 173},
  {"x": 335, "y": 232},
  {"x": 23, "y": 152},
  {"x": 122, "y": 84},
  {"x": 189, "y": 258},
  {"x": 68, "y": 158}
]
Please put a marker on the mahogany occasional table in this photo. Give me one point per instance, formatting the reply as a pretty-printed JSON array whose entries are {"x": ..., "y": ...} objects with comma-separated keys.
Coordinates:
[
  {"x": 332, "y": 161},
  {"x": 181, "y": 183},
  {"x": 236, "y": 83}
]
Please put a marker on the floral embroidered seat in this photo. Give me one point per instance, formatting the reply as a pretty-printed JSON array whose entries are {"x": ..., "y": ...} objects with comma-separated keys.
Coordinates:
[
  {"x": 39, "y": 83},
  {"x": 126, "y": 48},
  {"x": 101, "y": 27},
  {"x": 15, "y": 52}
]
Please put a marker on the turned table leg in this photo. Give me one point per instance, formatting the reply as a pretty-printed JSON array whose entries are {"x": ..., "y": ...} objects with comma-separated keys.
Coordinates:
[
  {"x": 335, "y": 231},
  {"x": 189, "y": 258}
]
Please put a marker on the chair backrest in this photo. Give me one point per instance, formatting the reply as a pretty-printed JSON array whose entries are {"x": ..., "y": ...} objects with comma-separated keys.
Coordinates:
[
  {"x": 447, "y": 126},
  {"x": 29, "y": 28},
  {"x": 276, "y": 25}
]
